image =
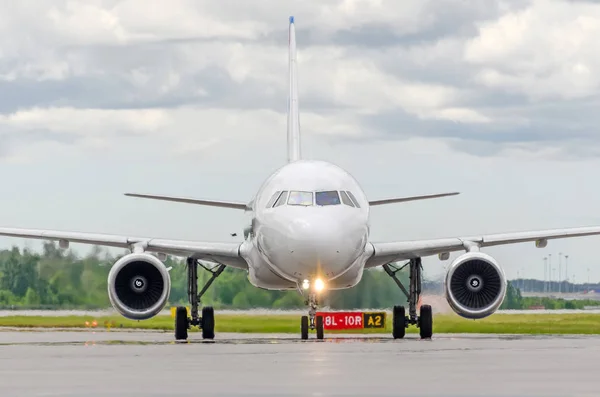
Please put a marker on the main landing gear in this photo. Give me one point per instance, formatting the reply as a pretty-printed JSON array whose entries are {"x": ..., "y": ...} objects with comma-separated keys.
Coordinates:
[
  {"x": 312, "y": 321},
  {"x": 400, "y": 321},
  {"x": 207, "y": 321}
]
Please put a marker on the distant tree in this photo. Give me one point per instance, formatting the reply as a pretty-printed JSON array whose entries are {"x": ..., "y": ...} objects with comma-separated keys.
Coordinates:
[{"x": 513, "y": 299}]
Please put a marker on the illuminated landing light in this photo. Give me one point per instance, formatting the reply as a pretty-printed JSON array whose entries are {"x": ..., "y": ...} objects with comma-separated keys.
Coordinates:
[
  {"x": 305, "y": 284},
  {"x": 319, "y": 285}
]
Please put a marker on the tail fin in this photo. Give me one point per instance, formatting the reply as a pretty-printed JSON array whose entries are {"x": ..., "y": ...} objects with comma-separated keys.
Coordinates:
[{"x": 293, "y": 124}]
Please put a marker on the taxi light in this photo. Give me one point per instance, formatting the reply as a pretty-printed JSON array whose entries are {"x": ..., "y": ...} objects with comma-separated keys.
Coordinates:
[
  {"x": 319, "y": 285},
  {"x": 305, "y": 284}
]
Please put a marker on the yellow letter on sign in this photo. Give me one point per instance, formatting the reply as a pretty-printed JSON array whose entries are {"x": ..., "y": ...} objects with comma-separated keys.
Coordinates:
[{"x": 374, "y": 320}]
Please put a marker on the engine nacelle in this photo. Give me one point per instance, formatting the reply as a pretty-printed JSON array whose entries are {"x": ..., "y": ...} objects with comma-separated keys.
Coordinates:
[
  {"x": 475, "y": 285},
  {"x": 139, "y": 286}
]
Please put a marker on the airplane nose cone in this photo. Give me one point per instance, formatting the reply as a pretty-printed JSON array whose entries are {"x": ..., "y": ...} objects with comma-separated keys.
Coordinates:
[
  {"x": 308, "y": 235},
  {"x": 323, "y": 248}
]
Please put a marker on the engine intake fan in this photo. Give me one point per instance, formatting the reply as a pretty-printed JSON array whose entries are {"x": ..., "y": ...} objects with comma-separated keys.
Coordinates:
[
  {"x": 475, "y": 285},
  {"x": 139, "y": 286}
]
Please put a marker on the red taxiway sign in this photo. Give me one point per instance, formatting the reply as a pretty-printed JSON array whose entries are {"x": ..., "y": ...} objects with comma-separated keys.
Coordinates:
[{"x": 352, "y": 320}]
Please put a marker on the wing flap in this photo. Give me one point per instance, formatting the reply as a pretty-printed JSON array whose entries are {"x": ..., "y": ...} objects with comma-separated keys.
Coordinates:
[
  {"x": 220, "y": 252},
  {"x": 388, "y": 252}
]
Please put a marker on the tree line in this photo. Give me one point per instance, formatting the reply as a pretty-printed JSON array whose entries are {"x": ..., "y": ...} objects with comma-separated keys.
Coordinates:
[
  {"x": 60, "y": 279},
  {"x": 515, "y": 301}
]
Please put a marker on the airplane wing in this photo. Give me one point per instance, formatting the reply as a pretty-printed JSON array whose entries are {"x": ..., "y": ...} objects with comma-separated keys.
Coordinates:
[
  {"x": 188, "y": 200},
  {"x": 388, "y": 252},
  {"x": 219, "y": 252},
  {"x": 410, "y": 198}
]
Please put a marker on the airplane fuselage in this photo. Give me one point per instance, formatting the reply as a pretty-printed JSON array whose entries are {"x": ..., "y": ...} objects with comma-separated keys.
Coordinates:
[{"x": 310, "y": 221}]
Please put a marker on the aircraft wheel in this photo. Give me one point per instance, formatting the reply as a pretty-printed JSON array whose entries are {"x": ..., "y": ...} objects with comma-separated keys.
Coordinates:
[
  {"x": 181, "y": 323},
  {"x": 399, "y": 322},
  {"x": 320, "y": 328},
  {"x": 208, "y": 323},
  {"x": 304, "y": 327},
  {"x": 426, "y": 322}
]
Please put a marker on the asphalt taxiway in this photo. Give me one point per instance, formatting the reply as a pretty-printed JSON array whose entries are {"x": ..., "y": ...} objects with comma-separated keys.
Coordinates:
[{"x": 136, "y": 363}]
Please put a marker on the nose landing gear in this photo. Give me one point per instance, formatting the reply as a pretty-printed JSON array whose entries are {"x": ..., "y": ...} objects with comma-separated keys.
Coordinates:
[
  {"x": 400, "y": 321},
  {"x": 312, "y": 321}
]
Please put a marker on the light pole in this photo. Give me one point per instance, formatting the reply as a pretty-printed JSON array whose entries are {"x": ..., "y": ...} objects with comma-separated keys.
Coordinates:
[
  {"x": 550, "y": 272},
  {"x": 559, "y": 275},
  {"x": 567, "y": 271},
  {"x": 545, "y": 289}
]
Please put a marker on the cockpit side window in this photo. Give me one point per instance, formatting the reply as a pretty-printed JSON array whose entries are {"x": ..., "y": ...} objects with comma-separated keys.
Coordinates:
[
  {"x": 327, "y": 198},
  {"x": 273, "y": 198},
  {"x": 354, "y": 200},
  {"x": 282, "y": 199},
  {"x": 345, "y": 199},
  {"x": 300, "y": 198}
]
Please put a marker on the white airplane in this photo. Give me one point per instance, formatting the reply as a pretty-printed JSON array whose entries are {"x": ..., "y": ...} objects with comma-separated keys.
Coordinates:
[{"x": 309, "y": 232}]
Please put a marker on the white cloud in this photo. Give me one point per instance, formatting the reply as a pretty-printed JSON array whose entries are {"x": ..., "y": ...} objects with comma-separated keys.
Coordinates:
[
  {"x": 548, "y": 50},
  {"x": 460, "y": 115},
  {"x": 186, "y": 130},
  {"x": 87, "y": 121}
]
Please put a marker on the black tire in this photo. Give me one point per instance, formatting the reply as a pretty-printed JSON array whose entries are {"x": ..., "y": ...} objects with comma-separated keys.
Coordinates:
[
  {"x": 181, "y": 323},
  {"x": 399, "y": 322},
  {"x": 426, "y": 322},
  {"x": 304, "y": 327},
  {"x": 320, "y": 328},
  {"x": 208, "y": 322}
]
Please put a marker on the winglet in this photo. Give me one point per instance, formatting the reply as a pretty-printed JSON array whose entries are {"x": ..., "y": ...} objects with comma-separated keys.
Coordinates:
[{"x": 291, "y": 19}]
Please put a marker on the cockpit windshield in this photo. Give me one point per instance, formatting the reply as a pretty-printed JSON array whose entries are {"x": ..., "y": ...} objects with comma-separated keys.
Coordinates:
[
  {"x": 300, "y": 198},
  {"x": 327, "y": 198},
  {"x": 306, "y": 199}
]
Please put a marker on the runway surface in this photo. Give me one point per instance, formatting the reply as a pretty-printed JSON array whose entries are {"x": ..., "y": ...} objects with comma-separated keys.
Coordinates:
[{"x": 135, "y": 363}]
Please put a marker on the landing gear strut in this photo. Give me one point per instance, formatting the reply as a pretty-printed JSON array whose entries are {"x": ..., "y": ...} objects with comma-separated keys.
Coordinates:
[
  {"x": 312, "y": 321},
  {"x": 206, "y": 322},
  {"x": 400, "y": 321}
]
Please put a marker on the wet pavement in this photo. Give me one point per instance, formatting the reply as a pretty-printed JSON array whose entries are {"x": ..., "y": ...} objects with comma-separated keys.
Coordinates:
[{"x": 151, "y": 363}]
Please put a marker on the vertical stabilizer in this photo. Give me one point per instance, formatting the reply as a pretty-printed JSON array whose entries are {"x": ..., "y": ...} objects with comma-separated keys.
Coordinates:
[{"x": 293, "y": 124}]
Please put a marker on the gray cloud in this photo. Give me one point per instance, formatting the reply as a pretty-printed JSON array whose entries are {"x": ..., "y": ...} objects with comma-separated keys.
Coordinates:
[{"x": 428, "y": 50}]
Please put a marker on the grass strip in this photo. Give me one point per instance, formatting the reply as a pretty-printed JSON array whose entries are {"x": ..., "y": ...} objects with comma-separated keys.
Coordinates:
[{"x": 496, "y": 323}]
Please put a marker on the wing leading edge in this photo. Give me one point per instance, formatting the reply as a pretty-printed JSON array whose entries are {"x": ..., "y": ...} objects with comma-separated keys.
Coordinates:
[
  {"x": 410, "y": 198},
  {"x": 220, "y": 252},
  {"x": 388, "y": 252},
  {"x": 189, "y": 200}
]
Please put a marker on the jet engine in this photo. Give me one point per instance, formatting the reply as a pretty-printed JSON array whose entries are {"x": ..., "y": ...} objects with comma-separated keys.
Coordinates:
[
  {"x": 475, "y": 285},
  {"x": 139, "y": 286}
]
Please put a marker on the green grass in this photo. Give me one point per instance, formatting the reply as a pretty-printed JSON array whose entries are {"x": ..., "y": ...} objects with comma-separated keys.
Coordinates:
[{"x": 497, "y": 323}]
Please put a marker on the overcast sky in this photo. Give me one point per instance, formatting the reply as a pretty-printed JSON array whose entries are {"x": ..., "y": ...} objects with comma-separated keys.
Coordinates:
[{"x": 496, "y": 99}]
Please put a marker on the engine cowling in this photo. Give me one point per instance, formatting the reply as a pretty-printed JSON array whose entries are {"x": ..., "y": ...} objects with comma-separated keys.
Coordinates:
[
  {"x": 139, "y": 286},
  {"x": 475, "y": 285}
]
